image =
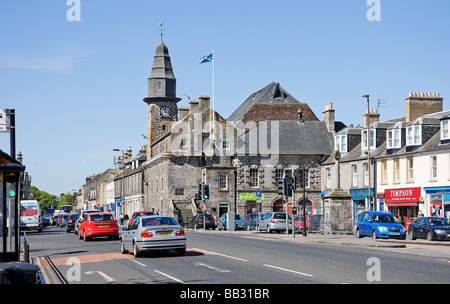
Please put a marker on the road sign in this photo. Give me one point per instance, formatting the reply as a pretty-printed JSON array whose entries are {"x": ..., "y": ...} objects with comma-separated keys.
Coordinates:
[
  {"x": 4, "y": 121},
  {"x": 258, "y": 193}
]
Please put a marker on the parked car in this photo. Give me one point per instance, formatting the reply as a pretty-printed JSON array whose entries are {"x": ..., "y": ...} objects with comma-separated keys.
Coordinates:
[
  {"x": 98, "y": 224},
  {"x": 154, "y": 232},
  {"x": 379, "y": 225},
  {"x": 238, "y": 222},
  {"x": 71, "y": 222},
  {"x": 46, "y": 220},
  {"x": 430, "y": 228},
  {"x": 252, "y": 221},
  {"x": 197, "y": 222},
  {"x": 316, "y": 222},
  {"x": 274, "y": 221},
  {"x": 82, "y": 215},
  {"x": 137, "y": 214},
  {"x": 299, "y": 223}
]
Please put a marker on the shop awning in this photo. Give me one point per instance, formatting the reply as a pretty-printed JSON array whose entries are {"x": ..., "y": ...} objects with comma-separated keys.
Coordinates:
[{"x": 397, "y": 204}]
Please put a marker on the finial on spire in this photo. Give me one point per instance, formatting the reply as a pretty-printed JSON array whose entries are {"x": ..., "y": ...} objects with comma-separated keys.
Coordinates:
[{"x": 161, "y": 29}]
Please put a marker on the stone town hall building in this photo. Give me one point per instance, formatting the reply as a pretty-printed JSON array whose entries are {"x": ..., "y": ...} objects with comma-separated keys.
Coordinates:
[{"x": 241, "y": 156}]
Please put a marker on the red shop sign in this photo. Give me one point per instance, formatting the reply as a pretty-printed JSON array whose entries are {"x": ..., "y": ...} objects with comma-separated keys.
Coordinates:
[{"x": 402, "y": 195}]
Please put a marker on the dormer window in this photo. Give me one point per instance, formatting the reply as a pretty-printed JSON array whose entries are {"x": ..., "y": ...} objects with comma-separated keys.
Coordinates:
[
  {"x": 393, "y": 140},
  {"x": 371, "y": 139},
  {"x": 444, "y": 130},
  {"x": 340, "y": 142},
  {"x": 414, "y": 135}
]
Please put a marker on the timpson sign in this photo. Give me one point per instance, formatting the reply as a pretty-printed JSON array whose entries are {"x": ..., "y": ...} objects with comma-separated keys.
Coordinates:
[{"x": 402, "y": 195}]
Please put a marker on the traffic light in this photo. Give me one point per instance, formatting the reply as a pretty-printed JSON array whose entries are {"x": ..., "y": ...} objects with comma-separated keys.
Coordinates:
[
  {"x": 299, "y": 178},
  {"x": 205, "y": 191},
  {"x": 280, "y": 186},
  {"x": 287, "y": 185}
]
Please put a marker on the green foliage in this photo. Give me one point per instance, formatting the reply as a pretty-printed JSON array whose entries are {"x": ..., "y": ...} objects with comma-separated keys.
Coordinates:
[
  {"x": 44, "y": 198},
  {"x": 67, "y": 199}
]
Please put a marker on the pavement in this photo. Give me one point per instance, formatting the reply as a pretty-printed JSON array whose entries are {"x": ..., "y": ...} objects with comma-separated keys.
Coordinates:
[{"x": 330, "y": 239}]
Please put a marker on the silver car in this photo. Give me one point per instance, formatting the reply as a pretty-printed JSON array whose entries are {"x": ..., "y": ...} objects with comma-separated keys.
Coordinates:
[
  {"x": 273, "y": 221},
  {"x": 154, "y": 232}
]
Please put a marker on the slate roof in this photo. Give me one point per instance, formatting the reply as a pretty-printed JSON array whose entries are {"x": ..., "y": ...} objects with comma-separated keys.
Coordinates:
[
  {"x": 272, "y": 93},
  {"x": 289, "y": 137}
]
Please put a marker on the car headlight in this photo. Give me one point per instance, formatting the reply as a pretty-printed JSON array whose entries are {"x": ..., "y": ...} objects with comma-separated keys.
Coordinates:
[
  {"x": 438, "y": 231},
  {"x": 383, "y": 229},
  {"x": 403, "y": 229}
]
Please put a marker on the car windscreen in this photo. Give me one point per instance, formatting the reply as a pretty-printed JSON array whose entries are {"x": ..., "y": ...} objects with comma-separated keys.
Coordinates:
[
  {"x": 439, "y": 222},
  {"x": 383, "y": 218},
  {"x": 237, "y": 217},
  {"x": 101, "y": 217},
  {"x": 279, "y": 216},
  {"x": 157, "y": 221},
  {"x": 143, "y": 213}
]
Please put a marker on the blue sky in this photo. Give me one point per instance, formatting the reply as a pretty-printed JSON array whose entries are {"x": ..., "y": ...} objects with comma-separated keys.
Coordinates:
[{"x": 77, "y": 87}]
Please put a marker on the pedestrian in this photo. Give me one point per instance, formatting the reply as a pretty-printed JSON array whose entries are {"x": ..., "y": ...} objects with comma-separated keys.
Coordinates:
[{"x": 121, "y": 219}]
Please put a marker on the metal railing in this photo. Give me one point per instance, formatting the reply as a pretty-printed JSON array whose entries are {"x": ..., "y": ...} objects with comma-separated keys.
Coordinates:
[{"x": 26, "y": 248}]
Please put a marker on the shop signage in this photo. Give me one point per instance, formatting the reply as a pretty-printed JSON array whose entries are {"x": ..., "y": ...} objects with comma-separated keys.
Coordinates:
[
  {"x": 405, "y": 195},
  {"x": 250, "y": 197}
]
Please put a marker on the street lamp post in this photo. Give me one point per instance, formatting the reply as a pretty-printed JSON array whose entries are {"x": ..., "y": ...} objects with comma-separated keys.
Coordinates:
[{"x": 368, "y": 150}]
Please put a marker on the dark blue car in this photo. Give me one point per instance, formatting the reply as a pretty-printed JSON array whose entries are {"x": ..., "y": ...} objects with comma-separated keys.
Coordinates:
[
  {"x": 379, "y": 225},
  {"x": 430, "y": 228}
]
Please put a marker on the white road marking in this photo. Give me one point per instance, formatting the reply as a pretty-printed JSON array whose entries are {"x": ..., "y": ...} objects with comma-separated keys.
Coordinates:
[
  {"x": 220, "y": 254},
  {"x": 139, "y": 263},
  {"x": 211, "y": 267},
  {"x": 288, "y": 270},
  {"x": 170, "y": 277},
  {"x": 107, "y": 278}
]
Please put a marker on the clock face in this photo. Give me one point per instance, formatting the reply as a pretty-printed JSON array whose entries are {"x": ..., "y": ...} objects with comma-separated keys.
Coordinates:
[{"x": 165, "y": 112}]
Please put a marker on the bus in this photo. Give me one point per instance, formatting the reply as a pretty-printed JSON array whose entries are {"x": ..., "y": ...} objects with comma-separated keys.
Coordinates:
[{"x": 65, "y": 208}]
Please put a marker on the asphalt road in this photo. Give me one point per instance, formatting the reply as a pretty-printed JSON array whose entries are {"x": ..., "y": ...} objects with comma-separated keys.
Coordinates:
[{"x": 229, "y": 258}]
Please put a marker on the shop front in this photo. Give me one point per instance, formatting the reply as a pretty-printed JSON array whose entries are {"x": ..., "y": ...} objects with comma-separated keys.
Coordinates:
[
  {"x": 403, "y": 203},
  {"x": 438, "y": 199},
  {"x": 359, "y": 198},
  {"x": 253, "y": 202}
]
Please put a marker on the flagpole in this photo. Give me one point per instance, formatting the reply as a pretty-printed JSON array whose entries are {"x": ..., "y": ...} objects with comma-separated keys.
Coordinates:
[{"x": 213, "y": 98}]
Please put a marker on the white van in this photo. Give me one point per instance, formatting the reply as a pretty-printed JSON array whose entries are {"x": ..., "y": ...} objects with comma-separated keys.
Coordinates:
[{"x": 30, "y": 215}]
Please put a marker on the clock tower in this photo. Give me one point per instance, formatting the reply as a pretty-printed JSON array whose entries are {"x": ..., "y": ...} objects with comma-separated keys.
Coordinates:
[{"x": 162, "y": 102}]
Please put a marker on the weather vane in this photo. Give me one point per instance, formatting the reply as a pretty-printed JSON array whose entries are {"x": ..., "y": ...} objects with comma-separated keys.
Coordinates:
[{"x": 161, "y": 29}]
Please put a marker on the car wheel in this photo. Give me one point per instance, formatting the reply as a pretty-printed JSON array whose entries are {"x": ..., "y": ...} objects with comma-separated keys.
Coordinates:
[
  {"x": 374, "y": 234},
  {"x": 411, "y": 235},
  {"x": 268, "y": 229},
  {"x": 122, "y": 247},
  {"x": 257, "y": 228},
  {"x": 358, "y": 234},
  {"x": 85, "y": 237},
  {"x": 430, "y": 236},
  {"x": 136, "y": 252}
]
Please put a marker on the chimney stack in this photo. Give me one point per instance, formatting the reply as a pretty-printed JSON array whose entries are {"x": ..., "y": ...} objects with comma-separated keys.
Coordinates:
[
  {"x": 371, "y": 117},
  {"x": 419, "y": 104},
  {"x": 329, "y": 117}
]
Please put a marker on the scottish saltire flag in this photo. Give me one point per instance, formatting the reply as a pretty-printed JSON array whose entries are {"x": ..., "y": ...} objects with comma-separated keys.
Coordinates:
[{"x": 207, "y": 58}]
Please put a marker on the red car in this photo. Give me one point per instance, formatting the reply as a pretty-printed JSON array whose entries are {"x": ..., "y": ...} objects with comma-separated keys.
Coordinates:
[
  {"x": 99, "y": 224},
  {"x": 138, "y": 214},
  {"x": 299, "y": 223}
]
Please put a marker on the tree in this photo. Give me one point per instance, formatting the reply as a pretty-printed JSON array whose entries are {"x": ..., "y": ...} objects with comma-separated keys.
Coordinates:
[{"x": 45, "y": 199}]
